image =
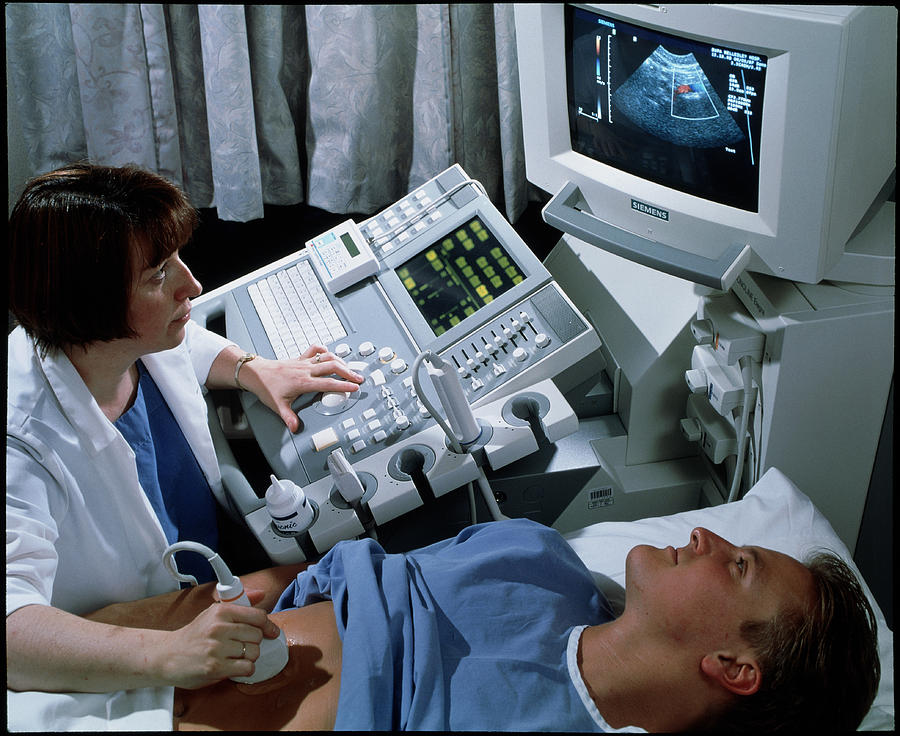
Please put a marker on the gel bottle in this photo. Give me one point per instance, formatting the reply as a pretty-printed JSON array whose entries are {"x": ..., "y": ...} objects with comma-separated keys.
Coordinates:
[{"x": 291, "y": 512}]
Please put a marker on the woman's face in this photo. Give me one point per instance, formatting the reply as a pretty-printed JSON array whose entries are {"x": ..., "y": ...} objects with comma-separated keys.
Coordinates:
[{"x": 160, "y": 305}]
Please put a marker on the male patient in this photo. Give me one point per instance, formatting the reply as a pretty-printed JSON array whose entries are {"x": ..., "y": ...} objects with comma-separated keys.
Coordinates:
[{"x": 501, "y": 628}]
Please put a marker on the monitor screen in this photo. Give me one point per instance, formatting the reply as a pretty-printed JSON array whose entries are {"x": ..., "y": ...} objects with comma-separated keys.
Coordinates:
[
  {"x": 675, "y": 111},
  {"x": 458, "y": 274}
]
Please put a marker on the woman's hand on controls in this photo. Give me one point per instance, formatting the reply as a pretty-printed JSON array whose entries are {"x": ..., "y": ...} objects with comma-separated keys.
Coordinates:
[
  {"x": 278, "y": 383},
  {"x": 222, "y": 641}
]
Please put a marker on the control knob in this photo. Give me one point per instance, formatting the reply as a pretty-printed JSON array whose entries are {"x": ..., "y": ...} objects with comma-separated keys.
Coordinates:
[{"x": 335, "y": 399}]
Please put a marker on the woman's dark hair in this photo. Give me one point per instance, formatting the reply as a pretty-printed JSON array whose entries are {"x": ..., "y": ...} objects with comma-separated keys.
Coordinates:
[{"x": 76, "y": 237}]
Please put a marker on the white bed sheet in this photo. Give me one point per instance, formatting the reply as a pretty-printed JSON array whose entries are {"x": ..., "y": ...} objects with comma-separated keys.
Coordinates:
[{"x": 773, "y": 514}]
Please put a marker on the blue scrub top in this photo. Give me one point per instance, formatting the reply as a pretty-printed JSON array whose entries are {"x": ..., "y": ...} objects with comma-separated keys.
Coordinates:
[{"x": 170, "y": 475}]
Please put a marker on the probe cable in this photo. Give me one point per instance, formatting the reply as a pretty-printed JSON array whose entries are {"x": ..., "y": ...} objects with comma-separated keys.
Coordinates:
[{"x": 746, "y": 374}]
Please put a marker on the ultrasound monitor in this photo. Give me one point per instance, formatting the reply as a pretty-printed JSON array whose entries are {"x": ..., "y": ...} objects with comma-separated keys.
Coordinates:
[
  {"x": 682, "y": 113},
  {"x": 706, "y": 138}
]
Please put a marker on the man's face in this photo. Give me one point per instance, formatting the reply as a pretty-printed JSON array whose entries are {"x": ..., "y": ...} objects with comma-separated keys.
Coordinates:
[{"x": 700, "y": 593}]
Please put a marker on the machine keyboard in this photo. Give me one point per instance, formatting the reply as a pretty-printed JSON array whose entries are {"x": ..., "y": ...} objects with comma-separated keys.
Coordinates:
[{"x": 295, "y": 310}]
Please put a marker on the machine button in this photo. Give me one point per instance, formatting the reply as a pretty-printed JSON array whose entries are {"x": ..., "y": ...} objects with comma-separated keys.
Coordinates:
[
  {"x": 357, "y": 365},
  {"x": 492, "y": 349},
  {"x": 703, "y": 331},
  {"x": 386, "y": 354},
  {"x": 480, "y": 357},
  {"x": 398, "y": 365},
  {"x": 477, "y": 384},
  {"x": 348, "y": 423},
  {"x": 691, "y": 429},
  {"x": 696, "y": 380},
  {"x": 369, "y": 414},
  {"x": 525, "y": 317},
  {"x": 324, "y": 439},
  {"x": 380, "y": 435},
  {"x": 342, "y": 350},
  {"x": 498, "y": 369},
  {"x": 358, "y": 446},
  {"x": 541, "y": 340},
  {"x": 500, "y": 340},
  {"x": 516, "y": 325},
  {"x": 423, "y": 412},
  {"x": 374, "y": 425},
  {"x": 335, "y": 399},
  {"x": 519, "y": 355},
  {"x": 401, "y": 421},
  {"x": 463, "y": 371},
  {"x": 353, "y": 434},
  {"x": 377, "y": 377},
  {"x": 366, "y": 348}
]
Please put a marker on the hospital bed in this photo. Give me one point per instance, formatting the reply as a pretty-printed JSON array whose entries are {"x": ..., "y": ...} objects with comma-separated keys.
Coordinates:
[{"x": 773, "y": 514}]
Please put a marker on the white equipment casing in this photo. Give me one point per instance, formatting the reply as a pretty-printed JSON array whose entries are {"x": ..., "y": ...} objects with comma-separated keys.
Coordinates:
[{"x": 825, "y": 377}]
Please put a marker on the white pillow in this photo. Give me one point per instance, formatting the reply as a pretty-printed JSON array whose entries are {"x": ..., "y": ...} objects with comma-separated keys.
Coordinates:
[{"x": 773, "y": 514}]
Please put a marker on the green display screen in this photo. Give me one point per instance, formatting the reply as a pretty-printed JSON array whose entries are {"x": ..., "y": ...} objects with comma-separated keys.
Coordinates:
[
  {"x": 351, "y": 247},
  {"x": 457, "y": 275}
]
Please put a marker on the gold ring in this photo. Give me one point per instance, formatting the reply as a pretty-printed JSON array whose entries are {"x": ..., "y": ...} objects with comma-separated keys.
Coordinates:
[{"x": 318, "y": 357}]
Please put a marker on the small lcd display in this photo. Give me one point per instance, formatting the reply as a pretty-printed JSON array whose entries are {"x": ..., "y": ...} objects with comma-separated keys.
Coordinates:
[
  {"x": 351, "y": 247},
  {"x": 681, "y": 113},
  {"x": 457, "y": 275}
]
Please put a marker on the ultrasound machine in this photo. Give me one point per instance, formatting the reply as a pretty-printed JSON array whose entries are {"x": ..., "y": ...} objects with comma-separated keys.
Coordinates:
[
  {"x": 438, "y": 271},
  {"x": 721, "y": 301}
]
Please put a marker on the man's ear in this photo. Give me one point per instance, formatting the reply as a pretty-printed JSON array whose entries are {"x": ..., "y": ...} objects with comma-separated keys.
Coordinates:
[{"x": 737, "y": 674}]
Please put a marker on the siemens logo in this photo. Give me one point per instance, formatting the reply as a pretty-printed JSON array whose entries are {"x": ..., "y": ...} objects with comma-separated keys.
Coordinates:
[{"x": 650, "y": 210}]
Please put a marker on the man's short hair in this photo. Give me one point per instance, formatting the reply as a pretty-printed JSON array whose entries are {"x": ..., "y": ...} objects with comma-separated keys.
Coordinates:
[
  {"x": 820, "y": 666},
  {"x": 74, "y": 236}
]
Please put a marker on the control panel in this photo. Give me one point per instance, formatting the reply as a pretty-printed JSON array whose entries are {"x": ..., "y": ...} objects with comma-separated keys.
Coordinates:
[{"x": 452, "y": 277}]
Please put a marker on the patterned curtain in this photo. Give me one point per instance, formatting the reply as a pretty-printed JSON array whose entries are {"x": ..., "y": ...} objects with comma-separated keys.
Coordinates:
[{"x": 346, "y": 108}]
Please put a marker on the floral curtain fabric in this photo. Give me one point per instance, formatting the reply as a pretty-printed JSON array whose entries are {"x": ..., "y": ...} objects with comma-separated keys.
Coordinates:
[{"x": 346, "y": 108}]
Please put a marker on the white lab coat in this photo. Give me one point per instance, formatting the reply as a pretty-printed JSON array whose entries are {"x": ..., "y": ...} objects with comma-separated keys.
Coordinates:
[{"x": 80, "y": 531}]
